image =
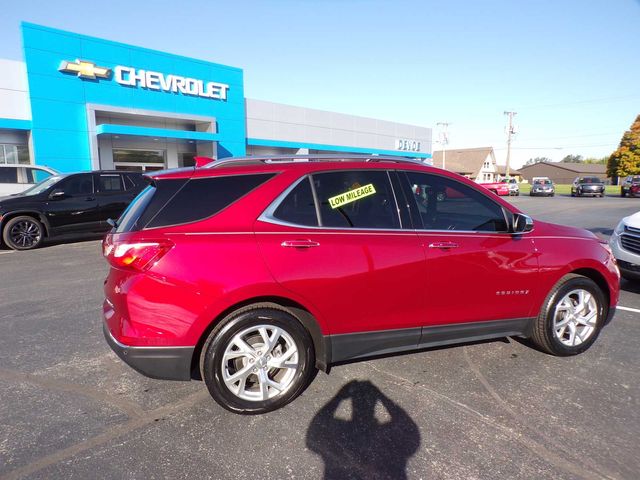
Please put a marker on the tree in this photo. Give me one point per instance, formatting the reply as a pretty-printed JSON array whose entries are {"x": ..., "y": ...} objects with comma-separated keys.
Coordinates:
[
  {"x": 531, "y": 161},
  {"x": 626, "y": 159},
  {"x": 599, "y": 161},
  {"x": 572, "y": 159}
]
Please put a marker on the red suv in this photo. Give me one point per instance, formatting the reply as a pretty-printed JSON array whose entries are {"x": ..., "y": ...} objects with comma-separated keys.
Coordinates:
[{"x": 251, "y": 273}]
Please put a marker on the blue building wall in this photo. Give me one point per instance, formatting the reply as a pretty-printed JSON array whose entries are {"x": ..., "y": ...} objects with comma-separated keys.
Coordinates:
[{"x": 60, "y": 130}]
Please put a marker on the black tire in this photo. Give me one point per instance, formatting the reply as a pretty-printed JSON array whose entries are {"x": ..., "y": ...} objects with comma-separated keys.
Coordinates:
[
  {"x": 623, "y": 193},
  {"x": 211, "y": 364},
  {"x": 23, "y": 233},
  {"x": 573, "y": 193},
  {"x": 542, "y": 333}
]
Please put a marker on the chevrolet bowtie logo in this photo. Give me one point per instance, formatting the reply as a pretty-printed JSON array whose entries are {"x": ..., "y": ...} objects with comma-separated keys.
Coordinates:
[{"x": 85, "y": 69}]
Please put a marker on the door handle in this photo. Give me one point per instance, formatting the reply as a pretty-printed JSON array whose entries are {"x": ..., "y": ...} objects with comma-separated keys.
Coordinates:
[
  {"x": 300, "y": 243},
  {"x": 444, "y": 245}
]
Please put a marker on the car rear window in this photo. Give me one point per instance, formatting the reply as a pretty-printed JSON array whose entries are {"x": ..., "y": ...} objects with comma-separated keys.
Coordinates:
[{"x": 174, "y": 202}]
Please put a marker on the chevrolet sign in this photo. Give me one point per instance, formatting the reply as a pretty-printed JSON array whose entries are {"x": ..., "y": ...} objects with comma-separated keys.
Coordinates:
[
  {"x": 133, "y": 77},
  {"x": 85, "y": 69}
]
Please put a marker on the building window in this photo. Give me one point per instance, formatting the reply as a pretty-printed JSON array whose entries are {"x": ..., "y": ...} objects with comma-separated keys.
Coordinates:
[
  {"x": 138, "y": 160},
  {"x": 14, "y": 154}
]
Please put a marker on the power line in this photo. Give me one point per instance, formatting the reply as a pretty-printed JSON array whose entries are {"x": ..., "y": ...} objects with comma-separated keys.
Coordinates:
[
  {"x": 582, "y": 102},
  {"x": 575, "y": 136},
  {"x": 557, "y": 147}
]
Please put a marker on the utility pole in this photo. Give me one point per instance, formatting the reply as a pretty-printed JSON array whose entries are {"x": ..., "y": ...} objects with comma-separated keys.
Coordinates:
[
  {"x": 444, "y": 140},
  {"x": 510, "y": 132}
]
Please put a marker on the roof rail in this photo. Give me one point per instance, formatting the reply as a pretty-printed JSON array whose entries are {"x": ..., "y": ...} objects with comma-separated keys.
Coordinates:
[{"x": 347, "y": 157}]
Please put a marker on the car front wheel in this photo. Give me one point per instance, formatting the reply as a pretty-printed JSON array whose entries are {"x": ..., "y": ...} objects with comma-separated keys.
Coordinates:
[
  {"x": 23, "y": 233},
  {"x": 571, "y": 317},
  {"x": 257, "y": 360}
]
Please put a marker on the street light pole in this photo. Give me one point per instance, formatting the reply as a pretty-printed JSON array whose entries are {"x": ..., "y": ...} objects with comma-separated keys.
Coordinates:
[
  {"x": 510, "y": 132},
  {"x": 444, "y": 140}
]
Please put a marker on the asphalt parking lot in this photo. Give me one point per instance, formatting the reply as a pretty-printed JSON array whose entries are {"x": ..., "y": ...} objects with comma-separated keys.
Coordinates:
[{"x": 69, "y": 408}]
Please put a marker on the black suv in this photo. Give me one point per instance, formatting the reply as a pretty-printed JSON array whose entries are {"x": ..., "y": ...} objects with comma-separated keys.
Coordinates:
[{"x": 66, "y": 204}]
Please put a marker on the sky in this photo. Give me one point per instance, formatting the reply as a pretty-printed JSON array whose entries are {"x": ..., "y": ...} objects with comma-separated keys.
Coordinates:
[{"x": 569, "y": 68}]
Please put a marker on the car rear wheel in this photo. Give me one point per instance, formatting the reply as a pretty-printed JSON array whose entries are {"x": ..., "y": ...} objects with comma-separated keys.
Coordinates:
[
  {"x": 23, "y": 233},
  {"x": 257, "y": 360},
  {"x": 623, "y": 193},
  {"x": 571, "y": 317}
]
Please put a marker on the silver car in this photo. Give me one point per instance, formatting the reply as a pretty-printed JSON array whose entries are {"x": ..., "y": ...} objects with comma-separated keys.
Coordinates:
[{"x": 625, "y": 245}]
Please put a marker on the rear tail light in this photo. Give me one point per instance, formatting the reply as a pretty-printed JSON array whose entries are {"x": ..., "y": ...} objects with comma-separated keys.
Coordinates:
[{"x": 134, "y": 255}]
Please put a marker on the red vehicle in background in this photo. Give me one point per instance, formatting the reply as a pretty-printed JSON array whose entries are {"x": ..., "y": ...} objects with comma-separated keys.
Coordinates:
[
  {"x": 499, "y": 188},
  {"x": 252, "y": 273}
]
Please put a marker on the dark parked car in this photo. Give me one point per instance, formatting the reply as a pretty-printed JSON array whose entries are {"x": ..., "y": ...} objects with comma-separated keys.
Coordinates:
[
  {"x": 587, "y": 186},
  {"x": 66, "y": 204},
  {"x": 630, "y": 186}
]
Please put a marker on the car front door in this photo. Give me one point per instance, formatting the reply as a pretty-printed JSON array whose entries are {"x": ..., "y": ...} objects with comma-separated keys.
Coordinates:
[
  {"x": 72, "y": 205},
  {"x": 335, "y": 240},
  {"x": 112, "y": 196},
  {"x": 476, "y": 270}
]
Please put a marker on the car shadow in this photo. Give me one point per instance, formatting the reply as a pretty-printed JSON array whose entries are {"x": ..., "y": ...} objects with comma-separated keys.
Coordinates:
[
  {"x": 629, "y": 286},
  {"x": 362, "y": 434}
]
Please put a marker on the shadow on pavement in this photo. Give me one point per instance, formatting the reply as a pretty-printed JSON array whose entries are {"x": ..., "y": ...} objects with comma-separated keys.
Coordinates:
[
  {"x": 630, "y": 286},
  {"x": 603, "y": 231},
  {"x": 362, "y": 434}
]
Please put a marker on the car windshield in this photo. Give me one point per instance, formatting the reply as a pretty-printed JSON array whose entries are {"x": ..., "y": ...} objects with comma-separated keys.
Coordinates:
[
  {"x": 542, "y": 182},
  {"x": 589, "y": 180},
  {"x": 43, "y": 185}
]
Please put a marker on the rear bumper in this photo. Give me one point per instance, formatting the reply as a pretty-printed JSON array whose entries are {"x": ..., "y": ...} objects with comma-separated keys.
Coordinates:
[{"x": 166, "y": 363}]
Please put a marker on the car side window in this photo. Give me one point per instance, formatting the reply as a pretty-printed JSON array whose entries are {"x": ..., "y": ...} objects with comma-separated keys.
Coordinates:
[
  {"x": 356, "y": 199},
  {"x": 298, "y": 206},
  {"x": 110, "y": 183},
  {"x": 35, "y": 175},
  {"x": 445, "y": 204},
  {"x": 8, "y": 175},
  {"x": 77, "y": 185}
]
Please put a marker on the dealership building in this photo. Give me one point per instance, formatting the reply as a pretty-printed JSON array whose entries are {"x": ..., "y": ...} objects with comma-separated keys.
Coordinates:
[{"x": 84, "y": 103}]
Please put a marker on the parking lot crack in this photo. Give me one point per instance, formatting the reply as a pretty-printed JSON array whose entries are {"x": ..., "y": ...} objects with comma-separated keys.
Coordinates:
[
  {"x": 129, "y": 408},
  {"x": 146, "y": 418},
  {"x": 515, "y": 432}
]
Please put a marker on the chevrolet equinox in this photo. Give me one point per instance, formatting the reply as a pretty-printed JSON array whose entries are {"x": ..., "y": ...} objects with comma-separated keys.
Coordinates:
[{"x": 251, "y": 273}]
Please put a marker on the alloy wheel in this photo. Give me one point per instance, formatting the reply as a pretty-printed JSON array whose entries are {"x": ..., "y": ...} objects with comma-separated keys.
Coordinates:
[
  {"x": 25, "y": 234},
  {"x": 260, "y": 363},
  {"x": 575, "y": 317}
]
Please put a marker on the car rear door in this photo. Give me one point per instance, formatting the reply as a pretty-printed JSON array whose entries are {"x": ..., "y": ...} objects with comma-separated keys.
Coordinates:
[
  {"x": 475, "y": 270},
  {"x": 335, "y": 240}
]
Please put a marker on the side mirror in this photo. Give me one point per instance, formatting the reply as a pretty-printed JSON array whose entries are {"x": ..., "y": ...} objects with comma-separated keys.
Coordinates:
[
  {"x": 521, "y": 223},
  {"x": 57, "y": 194}
]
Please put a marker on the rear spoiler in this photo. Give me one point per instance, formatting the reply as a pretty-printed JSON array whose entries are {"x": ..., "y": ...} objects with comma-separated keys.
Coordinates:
[{"x": 202, "y": 161}]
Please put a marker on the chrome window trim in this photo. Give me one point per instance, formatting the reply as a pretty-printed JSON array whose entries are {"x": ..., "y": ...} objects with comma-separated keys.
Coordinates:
[{"x": 267, "y": 215}]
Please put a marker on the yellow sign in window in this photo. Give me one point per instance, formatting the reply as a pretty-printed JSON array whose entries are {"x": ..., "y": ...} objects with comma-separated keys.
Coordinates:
[{"x": 352, "y": 195}]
